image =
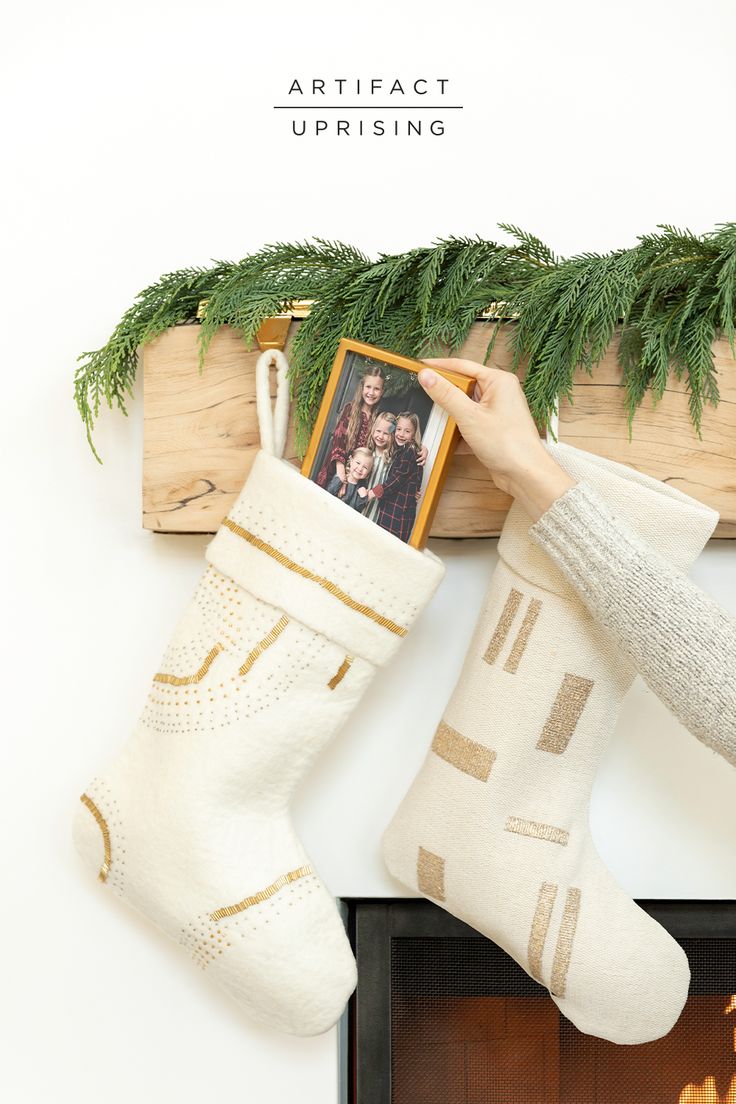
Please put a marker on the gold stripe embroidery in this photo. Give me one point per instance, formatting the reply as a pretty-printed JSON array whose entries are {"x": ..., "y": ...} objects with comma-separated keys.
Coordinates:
[
  {"x": 431, "y": 874},
  {"x": 565, "y": 714},
  {"x": 102, "y": 825},
  {"x": 540, "y": 927},
  {"x": 269, "y": 639},
  {"x": 563, "y": 950},
  {"x": 537, "y": 830},
  {"x": 460, "y": 752},
  {"x": 189, "y": 680},
  {"x": 522, "y": 638},
  {"x": 341, "y": 672},
  {"x": 326, "y": 584},
  {"x": 263, "y": 894},
  {"x": 501, "y": 631}
]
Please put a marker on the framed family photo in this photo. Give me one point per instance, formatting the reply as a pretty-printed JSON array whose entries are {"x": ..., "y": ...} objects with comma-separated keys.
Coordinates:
[{"x": 380, "y": 444}]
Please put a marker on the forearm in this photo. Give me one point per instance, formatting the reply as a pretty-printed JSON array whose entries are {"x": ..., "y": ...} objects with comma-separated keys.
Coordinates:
[{"x": 681, "y": 642}]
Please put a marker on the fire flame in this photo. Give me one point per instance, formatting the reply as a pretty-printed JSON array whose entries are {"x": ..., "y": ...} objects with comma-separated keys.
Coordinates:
[{"x": 707, "y": 1093}]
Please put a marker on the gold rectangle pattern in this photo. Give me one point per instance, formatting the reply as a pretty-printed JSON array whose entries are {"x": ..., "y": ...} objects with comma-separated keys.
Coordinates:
[
  {"x": 522, "y": 637},
  {"x": 431, "y": 874},
  {"x": 563, "y": 950},
  {"x": 565, "y": 714},
  {"x": 467, "y": 755},
  {"x": 540, "y": 927},
  {"x": 537, "y": 830},
  {"x": 503, "y": 626}
]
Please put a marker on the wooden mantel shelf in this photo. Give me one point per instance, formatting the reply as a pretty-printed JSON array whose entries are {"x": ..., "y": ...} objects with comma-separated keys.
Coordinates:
[{"x": 201, "y": 434}]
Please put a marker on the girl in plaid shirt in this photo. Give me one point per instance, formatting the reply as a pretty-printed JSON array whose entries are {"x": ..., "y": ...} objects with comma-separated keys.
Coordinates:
[{"x": 397, "y": 509}]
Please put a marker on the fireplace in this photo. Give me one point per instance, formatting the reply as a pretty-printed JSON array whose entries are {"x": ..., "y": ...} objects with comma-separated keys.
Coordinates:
[{"x": 443, "y": 1016}]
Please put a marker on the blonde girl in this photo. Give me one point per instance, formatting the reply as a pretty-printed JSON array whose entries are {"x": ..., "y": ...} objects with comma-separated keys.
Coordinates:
[
  {"x": 397, "y": 494},
  {"x": 406, "y": 435},
  {"x": 382, "y": 444},
  {"x": 353, "y": 491},
  {"x": 354, "y": 425}
]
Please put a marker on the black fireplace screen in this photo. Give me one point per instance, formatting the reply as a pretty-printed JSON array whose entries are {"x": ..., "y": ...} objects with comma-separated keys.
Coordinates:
[{"x": 443, "y": 1016}]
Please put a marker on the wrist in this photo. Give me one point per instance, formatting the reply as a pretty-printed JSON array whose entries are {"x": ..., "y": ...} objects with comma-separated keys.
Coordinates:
[{"x": 538, "y": 483}]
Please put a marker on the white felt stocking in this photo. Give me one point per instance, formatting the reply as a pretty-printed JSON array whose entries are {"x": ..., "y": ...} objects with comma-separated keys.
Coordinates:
[
  {"x": 301, "y": 601},
  {"x": 495, "y": 826}
]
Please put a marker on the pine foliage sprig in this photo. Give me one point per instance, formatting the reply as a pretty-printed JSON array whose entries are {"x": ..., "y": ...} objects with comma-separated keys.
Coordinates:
[
  {"x": 566, "y": 319},
  {"x": 686, "y": 298},
  {"x": 109, "y": 373},
  {"x": 670, "y": 296}
]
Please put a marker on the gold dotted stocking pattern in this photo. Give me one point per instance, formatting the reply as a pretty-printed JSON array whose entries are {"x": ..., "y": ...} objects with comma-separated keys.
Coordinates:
[{"x": 206, "y": 678}]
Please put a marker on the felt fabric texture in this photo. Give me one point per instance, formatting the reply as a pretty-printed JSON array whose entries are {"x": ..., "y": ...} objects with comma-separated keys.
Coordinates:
[
  {"x": 302, "y": 599},
  {"x": 495, "y": 826}
]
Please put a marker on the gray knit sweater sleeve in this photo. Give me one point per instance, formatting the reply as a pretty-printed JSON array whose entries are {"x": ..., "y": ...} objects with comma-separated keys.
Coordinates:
[{"x": 680, "y": 641}]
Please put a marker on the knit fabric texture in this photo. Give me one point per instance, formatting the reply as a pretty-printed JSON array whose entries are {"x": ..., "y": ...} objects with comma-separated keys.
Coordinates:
[
  {"x": 681, "y": 642},
  {"x": 301, "y": 601}
]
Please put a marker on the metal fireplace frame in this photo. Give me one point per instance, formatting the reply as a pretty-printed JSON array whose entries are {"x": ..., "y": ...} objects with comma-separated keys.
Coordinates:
[{"x": 372, "y": 925}]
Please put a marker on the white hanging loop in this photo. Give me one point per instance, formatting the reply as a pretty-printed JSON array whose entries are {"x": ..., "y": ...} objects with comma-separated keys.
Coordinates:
[{"x": 273, "y": 421}]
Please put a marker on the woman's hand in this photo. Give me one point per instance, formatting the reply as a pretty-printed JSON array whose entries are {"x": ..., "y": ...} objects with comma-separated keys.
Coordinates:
[
  {"x": 340, "y": 470},
  {"x": 422, "y": 454},
  {"x": 498, "y": 427}
]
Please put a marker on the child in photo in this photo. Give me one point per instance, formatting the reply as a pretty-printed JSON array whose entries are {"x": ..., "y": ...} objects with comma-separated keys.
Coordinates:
[
  {"x": 354, "y": 424},
  {"x": 353, "y": 491},
  {"x": 383, "y": 447},
  {"x": 397, "y": 495}
]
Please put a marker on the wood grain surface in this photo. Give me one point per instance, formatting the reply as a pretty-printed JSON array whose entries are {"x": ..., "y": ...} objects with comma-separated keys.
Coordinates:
[{"x": 201, "y": 434}]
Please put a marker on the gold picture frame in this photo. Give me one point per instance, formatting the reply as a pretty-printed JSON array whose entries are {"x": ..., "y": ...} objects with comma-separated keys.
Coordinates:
[{"x": 356, "y": 356}]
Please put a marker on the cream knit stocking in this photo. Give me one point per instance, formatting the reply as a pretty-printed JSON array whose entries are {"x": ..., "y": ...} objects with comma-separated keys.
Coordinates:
[
  {"x": 301, "y": 601},
  {"x": 495, "y": 826}
]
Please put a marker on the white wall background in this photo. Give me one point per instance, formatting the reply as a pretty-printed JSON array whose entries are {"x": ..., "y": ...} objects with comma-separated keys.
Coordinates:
[{"x": 139, "y": 138}]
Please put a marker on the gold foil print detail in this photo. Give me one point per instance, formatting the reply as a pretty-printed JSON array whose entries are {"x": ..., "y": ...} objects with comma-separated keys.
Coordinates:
[
  {"x": 431, "y": 874},
  {"x": 522, "y": 637},
  {"x": 565, "y": 714},
  {"x": 341, "y": 672},
  {"x": 540, "y": 927},
  {"x": 503, "y": 626},
  {"x": 563, "y": 950},
  {"x": 269, "y": 639},
  {"x": 102, "y": 825},
  {"x": 263, "y": 894},
  {"x": 320, "y": 580},
  {"x": 189, "y": 680},
  {"x": 537, "y": 830},
  {"x": 457, "y": 750}
]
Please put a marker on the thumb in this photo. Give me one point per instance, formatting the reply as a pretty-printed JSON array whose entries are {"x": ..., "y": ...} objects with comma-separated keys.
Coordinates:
[{"x": 446, "y": 395}]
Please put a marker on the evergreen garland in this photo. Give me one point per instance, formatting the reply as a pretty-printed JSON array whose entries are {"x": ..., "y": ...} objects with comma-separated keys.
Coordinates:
[{"x": 671, "y": 295}]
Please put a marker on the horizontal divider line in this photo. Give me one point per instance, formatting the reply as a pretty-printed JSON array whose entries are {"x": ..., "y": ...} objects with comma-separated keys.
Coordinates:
[{"x": 371, "y": 107}]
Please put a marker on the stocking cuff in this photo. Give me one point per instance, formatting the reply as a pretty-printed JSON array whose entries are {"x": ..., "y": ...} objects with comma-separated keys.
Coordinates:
[
  {"x": 674, "y": 524},
  {"x": 296, "y": 547}
]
